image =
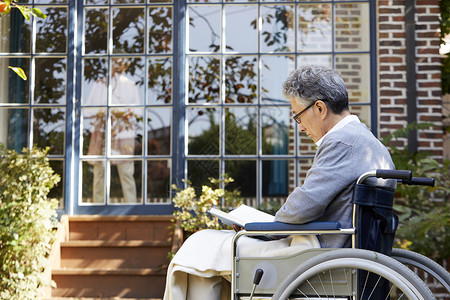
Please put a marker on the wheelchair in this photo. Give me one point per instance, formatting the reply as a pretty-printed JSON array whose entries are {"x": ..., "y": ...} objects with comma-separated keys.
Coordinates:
[{"x": 371, "y": 269}]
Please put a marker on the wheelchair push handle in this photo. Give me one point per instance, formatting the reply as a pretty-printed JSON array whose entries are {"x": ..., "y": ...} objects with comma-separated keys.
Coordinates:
[
  {"x": 419, "y": 181},
  {"x": 394, "y": 174}
]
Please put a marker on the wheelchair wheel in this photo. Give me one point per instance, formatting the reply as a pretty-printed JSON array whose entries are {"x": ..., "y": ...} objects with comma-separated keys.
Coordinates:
[
  {"x": 352, "y": 274},
  {"x": 436, "y": 277}
]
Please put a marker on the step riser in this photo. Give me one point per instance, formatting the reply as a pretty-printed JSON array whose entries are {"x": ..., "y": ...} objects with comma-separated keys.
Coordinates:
[
  {"x": 114, "y": 257},
  {"x": 109, "y": 286},
  {"x": 119, "y": 231}
]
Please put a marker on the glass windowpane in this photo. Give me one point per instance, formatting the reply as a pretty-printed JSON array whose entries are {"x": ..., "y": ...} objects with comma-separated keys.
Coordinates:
[
  {"x": 203, "y": 130},
  {"x": 126, "y": 182},
  {"x": 93, "y": 2},
  {"x": 204, "y": 28},
  {"x": 95, "y": 81},
  {"x": 128, "y": 30},
  {"x": 48, "y": 129},
  {"x": 17, "y": 38},
  {"x": 159, "y": 128},
  {"x": 94, "y": 128},
  {"x": 324, "y": 60},
  {"x": 352, "y": 27},
  {"x": 274, "y": 67},
  {"x": 160, "y": 24},
  {"x": 158, "y": 181},
  {"x": 240, "y": 130},
  {"x": 126, "y": 131},
  {"x": 127, "y": 81},
  {"x": 50, "y": 80},
  {"x": 204, "y": 79},
  {"x": 241, "y": 33},
  {"x": 198, "y": 172},
  {"x": 243, "y": 181},
  {"x": 275, "y": 181},
  {"x": 13, "y": 88},
  {"x": 276, "y": 126},
  {"x": 363, "y": 112},
  {"x": 277, "y": 32},
  {"x": 355, "y": 70},
  {"x": 57, "y": 192},
  {"x": 14, "y": 128},
  {"x": 159, "y": 80},
  {"x": 96, "y": 30},
  {"x": 93, "y": 182},
  {"x": 241, "y": 79},
  {"x": 51, "y": 32},
  {"x": 314, "y": 28}
]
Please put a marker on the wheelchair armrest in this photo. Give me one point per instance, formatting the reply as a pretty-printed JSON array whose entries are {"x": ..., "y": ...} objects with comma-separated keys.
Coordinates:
[{"x": 278, "y": 226}]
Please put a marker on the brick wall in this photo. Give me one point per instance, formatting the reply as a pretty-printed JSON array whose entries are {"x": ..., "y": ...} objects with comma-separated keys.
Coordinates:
[{"x": 392, "y": 71}]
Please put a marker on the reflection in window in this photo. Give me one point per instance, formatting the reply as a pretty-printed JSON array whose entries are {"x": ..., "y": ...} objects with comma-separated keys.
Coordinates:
[
  {"x": 352, "y": 27},
  {"x": 204, "y": 28},
  {"x": 274, "y": 66},
  {"x": 158, "y": 181},
  {"x": 15, "y": 32},
  {"x": 355, "y": 70},
  {"x": 128, "y": 30},
  {"x": 275, "y": 179},
  {"x": 49, "y": 128},
  {"x": 204, "y": 79},
  {"x": 50, "y": 82},
  {"x": 200, "y": 170},
  {"x": 13, "y": 88},
  {"x": 159, "y": 130},
  {"x": 57, "y": 192},
  {"x": 93, "y": 181},
  {"x": 160, "y": 21},
  {"x": 277, "y": 32},
  {"x": 240, "y": 130},
  {"x": 51, "y": 32},
  {"x": 244, "y": 181},
  {"x": 14, "y": 128},
  {"x": 96, "y": 30},
  {"x": 315, "y": 28},
  {"x": 241, "y": 20},
  {"x": 203, "y": 130},
  {"x": 276, "y": 125},
  {"x": 126, "y": 181},
  {"x": 159, "y": 80},
  {"x": 241, "y": 79}
]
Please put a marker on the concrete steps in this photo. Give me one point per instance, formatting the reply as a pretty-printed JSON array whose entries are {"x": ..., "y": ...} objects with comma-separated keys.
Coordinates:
[{"x": 112, "y": 257}]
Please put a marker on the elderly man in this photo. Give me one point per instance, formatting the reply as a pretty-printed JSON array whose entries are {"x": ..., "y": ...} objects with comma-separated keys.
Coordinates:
[{"x": 346, "y": 149}]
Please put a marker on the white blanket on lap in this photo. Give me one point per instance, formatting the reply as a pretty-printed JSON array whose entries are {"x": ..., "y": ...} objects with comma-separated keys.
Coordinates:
[{"x": 207, "y": 254}]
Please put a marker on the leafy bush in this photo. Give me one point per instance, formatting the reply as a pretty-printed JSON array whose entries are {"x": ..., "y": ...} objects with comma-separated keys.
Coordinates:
[
  {"x": 424, "y": 212},
  {"x": 26, "y": 221},
  {"x": 191, "y": 209}
]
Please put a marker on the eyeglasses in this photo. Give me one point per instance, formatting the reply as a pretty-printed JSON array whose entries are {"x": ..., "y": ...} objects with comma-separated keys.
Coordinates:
[{"x": 297, "y": 116}]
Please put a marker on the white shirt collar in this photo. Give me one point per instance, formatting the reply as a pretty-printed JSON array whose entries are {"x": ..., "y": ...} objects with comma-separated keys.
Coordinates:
[{"x": 339, "y": 125}]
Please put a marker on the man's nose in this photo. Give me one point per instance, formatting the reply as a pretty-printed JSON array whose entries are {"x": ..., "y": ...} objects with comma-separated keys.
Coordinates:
[{"x": 301, "y": 127}]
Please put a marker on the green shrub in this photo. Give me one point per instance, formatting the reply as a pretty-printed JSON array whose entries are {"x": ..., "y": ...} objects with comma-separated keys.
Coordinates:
[
  {"x": 26, "y": 221},
  {"x": 424, "y": 212}
]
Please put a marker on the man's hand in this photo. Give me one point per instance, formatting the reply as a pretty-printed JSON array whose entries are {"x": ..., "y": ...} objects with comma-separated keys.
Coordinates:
[{"x": 237, "y": 228}]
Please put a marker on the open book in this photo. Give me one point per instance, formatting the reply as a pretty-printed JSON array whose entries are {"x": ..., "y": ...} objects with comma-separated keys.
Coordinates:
[{"x": 241, "y": 215}]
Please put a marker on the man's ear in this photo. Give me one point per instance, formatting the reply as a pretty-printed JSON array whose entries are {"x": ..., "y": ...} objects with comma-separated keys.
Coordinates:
[{"x": 323, "y": 109}]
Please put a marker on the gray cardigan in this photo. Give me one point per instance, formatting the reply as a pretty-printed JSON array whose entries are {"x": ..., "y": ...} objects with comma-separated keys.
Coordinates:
[{"x": 326, "y": 194}]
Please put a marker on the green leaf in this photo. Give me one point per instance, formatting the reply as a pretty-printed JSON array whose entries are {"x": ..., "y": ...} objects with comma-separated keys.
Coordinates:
[
  {"x": 38, "y": 13},
  {"x": 19, "y": 72},
  {"x": 26, "y": 12}
]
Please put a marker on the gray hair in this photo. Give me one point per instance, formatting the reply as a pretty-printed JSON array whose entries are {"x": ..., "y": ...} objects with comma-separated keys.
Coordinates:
[{"x": 308, "y": 84}]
